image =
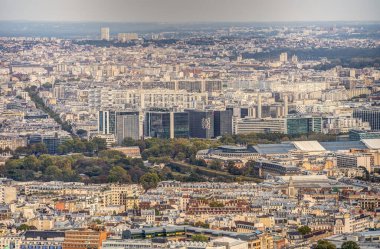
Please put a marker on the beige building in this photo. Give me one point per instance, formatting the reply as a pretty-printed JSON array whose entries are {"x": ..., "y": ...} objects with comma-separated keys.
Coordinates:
[
  {"x": 125, "y": 195},
  {"x": 352, "y": 223},
  {"x": 8, "y": 194},
  {"x": 42, "y": 224}
]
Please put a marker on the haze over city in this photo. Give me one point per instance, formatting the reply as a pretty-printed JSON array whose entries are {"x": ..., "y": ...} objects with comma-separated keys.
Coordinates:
[
  {"x": 190, "y": 10},
  {"x": 198, "y": 124}
]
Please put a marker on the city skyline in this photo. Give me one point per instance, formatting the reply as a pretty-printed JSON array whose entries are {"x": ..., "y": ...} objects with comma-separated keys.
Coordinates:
[{"x": 179, "y": 11}]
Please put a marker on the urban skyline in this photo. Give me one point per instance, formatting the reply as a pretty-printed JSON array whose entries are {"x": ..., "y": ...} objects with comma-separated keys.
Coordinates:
[{"x": 189, "y": 124}]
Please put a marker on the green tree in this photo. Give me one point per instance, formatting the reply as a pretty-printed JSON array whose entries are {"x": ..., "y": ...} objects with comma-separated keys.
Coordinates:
[
  {"x": 100, "y": 143},
  {"x": 216, "y": 204},
  {"x": 215, "y": 165},
  {"x": 304, "y": 230},
  {"x": 46, "y": 85},
  {"x": 324, "y": 244},
  {"x": 25, "y": 227},
  {"x": 129, "y": 142},
  {"x": 81, "y": 132},
  {"x": 350, "y": 245},
  {"x": 118, "y": 174},
  {"x": 149, "y": 180},
  {"x": 39, "y": 148}
]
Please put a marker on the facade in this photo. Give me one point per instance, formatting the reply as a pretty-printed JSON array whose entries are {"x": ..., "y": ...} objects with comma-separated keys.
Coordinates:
[
  {"x": 303, "y": 125},
  {"x": 201, "y": 124},
  {"x": 223, "y": 122},
  {"x": 264, "y": 168},
  {"x": 351, "y": 223},
  {"x": 370, "y": 115},
  {"x": 105, "y": 33},
  {"x": 127, "y": 126},
  {"x": 165, "y": 124},
  {"x": 106, "y": 122},
  {"x": 254, "y": 125},
  {"x": 124, "y": 37},
  {"x": 86, "y": 239},
  {"x": 176, "y": 232},
  {"x": 11, "y": 142},
  {"x": 347, "y": 160},
  {"x": 8, "y": 194},
  {"x": 51, "y": 140},
  {"x": 129, "y": 151},
  {"x": 357, "y": 135},
  {"x": 229, "y": 153},
  {"x": 122, "y": 124}
]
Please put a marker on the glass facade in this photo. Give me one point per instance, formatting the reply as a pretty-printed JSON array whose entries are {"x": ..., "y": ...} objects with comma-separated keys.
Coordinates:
[
  {"x": 222, "y": 122},
  {"x": 167, "y": 124},
  {"x": 127, "y": 126},
  {"x": 370, "y": 115},
  {"x": 201, "y": 124},
  {"x": 157, "y": 124},
  {"x": 181, "y": 124},
  {"x": 303, "y": 125},
  {"x": 107, "y": 122}
]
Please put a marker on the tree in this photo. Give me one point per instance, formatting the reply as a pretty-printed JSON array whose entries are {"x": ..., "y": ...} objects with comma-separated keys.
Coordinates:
[
  {"x": 304, "y": 230},
  {"x": 216, "y": 204},
  {"x": 149, "y": 180},
  {"x": 199, "y": 238},
  {"x": 215, "y": 165},
  {"x": 118, "y": 174},
  {"x": 324, "y": 244},
  {"x": 129, "y": 142},
  {"x": 350, "y": 245},
  {"x": 81, "y": 133},
  {"x": 25, "y": 227},
  {"x": 201, "y": 224},
  {"x": 46, "y": 85},
  {"x": 100, "y": 143}
]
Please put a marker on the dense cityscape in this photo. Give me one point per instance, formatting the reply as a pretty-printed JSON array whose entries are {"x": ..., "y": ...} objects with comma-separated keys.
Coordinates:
[{"x": 227, "y": 136}]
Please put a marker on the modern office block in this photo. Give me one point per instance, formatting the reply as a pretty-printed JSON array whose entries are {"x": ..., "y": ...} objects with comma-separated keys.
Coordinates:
[
  {"x": 201, "y": 123},
  {"x": 127, "y": 126},
  {"x": 222, "y": 122},
  {"x": 303, "y": 125},
  {"x": 370, "y": 115},
  {"x": 165, "y": 124}
]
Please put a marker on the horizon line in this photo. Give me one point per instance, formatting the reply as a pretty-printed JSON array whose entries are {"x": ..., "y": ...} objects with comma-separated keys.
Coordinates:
[{"x": 192, "y": 22}]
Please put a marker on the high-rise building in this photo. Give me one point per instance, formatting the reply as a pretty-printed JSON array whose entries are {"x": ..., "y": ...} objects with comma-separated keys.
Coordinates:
[
  {"x": 201, "y": 123},
  {"x": 370, "y": 115},
  {"x": 127, "y": 126},
  {"x": 105, "y": 33},
  {"x": 259, "y": 106},
  {"x": 222, "y": 122},
  {"x": 122, "y": 124},
  {"x": 286, "y": 106},
  {"x": 165, "y": 124},
  {"x": 294, "y": 59},
  {"x": 284, "y": 57},
  {"x": 59, "y": 91},
  {"x": 106, "y": 122}
]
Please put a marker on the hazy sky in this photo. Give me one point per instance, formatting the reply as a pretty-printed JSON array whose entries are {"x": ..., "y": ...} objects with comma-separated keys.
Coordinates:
[{"x": 190, "y": 10}]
